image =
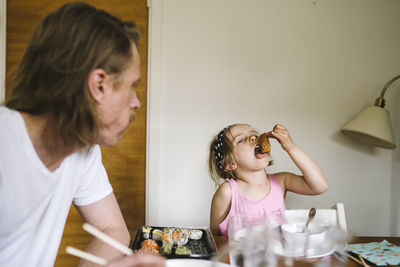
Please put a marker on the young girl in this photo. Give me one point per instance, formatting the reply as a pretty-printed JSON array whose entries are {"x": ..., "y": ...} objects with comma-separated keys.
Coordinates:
[{"x": 235, "y": 157}]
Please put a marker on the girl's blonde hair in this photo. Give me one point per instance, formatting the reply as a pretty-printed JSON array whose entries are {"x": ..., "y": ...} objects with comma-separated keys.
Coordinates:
[
  {"x": 217, "y": 173},
  {"x": 217, "y": 170}
]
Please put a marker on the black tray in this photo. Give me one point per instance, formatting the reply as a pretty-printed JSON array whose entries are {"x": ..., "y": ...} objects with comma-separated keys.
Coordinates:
[{"x": 203, "y": 248}]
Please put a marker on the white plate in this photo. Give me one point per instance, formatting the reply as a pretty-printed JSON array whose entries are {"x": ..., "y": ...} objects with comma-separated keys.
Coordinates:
[
  {"x": 194, "y": 263},
  {"x": 317, "y": 252}
]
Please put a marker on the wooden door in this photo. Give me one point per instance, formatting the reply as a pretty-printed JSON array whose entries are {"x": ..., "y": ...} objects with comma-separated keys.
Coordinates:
[{"x": 125, "y": 163}]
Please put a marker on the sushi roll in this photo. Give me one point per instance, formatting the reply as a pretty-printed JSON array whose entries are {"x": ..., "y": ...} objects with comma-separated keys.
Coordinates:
[
  {"x": 180, "y": 236},
  {"x": 166, "y": 236},
  {"x": 195, "y": 234},
  {"x": 149, "y": 246},
  {"x": 166, "y": 249},
  {"x": 149, "y": 250},
  {"x": 150, "y": 243},
  {"x": 146, "y": 232},
  {"x": 156, "y": 235},
  {"x": 182, "y": 250}
]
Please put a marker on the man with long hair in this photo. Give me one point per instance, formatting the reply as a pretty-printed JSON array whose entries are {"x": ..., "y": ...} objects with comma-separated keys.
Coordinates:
[{"x": 73, "y": 90}]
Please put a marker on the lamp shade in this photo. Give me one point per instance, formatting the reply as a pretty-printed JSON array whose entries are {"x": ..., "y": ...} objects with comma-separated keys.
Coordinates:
[{"x": 372, "y": 126}]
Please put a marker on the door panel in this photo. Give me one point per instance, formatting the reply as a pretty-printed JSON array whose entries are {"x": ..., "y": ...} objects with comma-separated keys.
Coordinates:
[{"x": 125, "y": 163}]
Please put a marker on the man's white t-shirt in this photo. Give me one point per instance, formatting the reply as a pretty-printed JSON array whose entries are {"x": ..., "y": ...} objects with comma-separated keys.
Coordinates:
[{"x": 34, "y": 202}]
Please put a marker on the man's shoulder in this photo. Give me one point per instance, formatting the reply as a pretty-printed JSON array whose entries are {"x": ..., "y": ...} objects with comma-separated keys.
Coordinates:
[
  {"x": 86, "y": 158},
  {"x": 11, "y": 123},
  {"x": 6, "y": 113},
  {"x": 88, "y": 153}
]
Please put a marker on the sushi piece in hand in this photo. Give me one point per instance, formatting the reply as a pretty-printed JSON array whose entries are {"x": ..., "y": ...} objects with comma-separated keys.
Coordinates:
[{"x": 264, "y": 143}]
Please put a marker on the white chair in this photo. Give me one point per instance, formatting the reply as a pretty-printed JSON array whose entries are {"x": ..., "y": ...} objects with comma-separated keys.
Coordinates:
[{"x": 334, "y": 216}]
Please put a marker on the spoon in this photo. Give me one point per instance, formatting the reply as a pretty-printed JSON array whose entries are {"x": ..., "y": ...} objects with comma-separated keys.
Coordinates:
[{"x": 311, "y": 216}]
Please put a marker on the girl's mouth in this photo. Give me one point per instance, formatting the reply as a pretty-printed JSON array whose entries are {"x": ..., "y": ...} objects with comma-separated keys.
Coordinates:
[{"x": 257, "y": 152}]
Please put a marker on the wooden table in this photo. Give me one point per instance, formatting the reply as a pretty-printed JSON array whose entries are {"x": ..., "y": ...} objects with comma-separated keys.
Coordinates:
[{"x": 221, "y": 241}]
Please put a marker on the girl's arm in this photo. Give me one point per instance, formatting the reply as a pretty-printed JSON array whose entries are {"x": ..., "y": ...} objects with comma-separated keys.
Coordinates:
[
  {"x": 313, "y": 181},
  {"x": 220, "y": 206}
]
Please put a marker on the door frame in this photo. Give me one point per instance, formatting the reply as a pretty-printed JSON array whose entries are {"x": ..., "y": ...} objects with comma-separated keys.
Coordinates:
[
  {"x": 3, "y": 36},
  {"x": 154, "y": 112}
]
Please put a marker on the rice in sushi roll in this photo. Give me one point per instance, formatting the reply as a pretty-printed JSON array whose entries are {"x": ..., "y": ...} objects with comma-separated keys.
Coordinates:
[
  {"x": 166, "y": 249},
  {"x": 150, "y": 243},
  {"x": 180, "y": 236},
  {"x": 195, "y": 234},
  {"x": 166, "y": 236},
  {"x": 149, "y": 246},
  {"x": 146, "y": 232},
  {"x": 182, "y": 250},
  {"x": 156, "y": 234}
]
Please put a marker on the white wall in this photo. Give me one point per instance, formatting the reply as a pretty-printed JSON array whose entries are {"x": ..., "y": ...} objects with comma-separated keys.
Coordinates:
[
  {"x": 310, "y": 65},
  {"x": 395, "y": 218}
]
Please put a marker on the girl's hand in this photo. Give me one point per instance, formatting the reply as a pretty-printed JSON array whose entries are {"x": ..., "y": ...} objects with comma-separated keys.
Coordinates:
[
  {"x": 281, "y": 134},
  {"x": 312, "y": 181}
]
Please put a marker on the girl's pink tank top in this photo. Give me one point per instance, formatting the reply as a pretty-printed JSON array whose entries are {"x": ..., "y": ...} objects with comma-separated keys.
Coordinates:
[{"x": 272, "y": 205}]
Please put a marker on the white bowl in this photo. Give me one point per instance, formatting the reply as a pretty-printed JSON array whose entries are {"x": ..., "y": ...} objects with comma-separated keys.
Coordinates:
[{"x": 297, "y": 242}]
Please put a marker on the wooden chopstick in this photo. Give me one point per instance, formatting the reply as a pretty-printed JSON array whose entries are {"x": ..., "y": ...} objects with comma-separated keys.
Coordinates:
[
  {"x": 103, "y": 237},
  {"x": 362, "y": 260},
  {"x": 85, "y": 255},
  {"x": 106, "y": 239},
  {"x": 353, "y": 258}
]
